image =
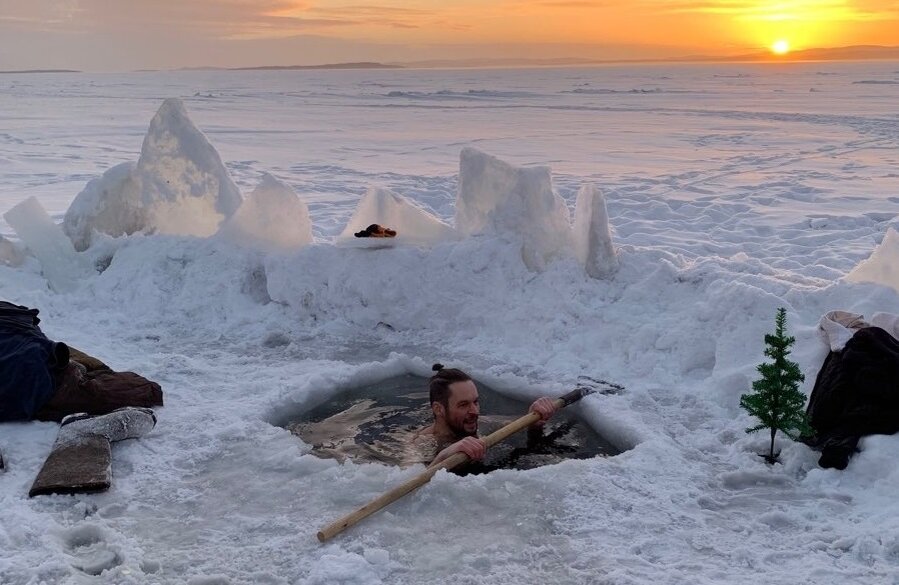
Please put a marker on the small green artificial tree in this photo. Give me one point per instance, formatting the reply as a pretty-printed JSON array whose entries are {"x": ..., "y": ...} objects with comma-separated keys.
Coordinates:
[{"x": 776, "y": 400}]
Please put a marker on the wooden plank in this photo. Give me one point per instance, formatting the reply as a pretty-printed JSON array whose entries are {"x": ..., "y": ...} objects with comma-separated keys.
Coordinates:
[{"x": 79, "y": 467}]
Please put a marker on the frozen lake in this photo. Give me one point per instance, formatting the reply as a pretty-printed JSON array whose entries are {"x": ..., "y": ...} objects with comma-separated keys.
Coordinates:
[{"x": 732, "y": 190}]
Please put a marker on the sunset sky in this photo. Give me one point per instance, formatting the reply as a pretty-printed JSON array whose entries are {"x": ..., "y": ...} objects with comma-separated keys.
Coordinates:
[{"x": 128, "y": 34}]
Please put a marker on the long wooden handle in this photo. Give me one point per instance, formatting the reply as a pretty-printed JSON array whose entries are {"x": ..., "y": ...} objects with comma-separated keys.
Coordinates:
[{"x": 425, "y": 476}]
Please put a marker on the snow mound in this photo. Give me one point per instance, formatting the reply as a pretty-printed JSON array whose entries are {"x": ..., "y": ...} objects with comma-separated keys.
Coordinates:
[
  {"x": 60, "y": 263},
  {"x": 211, "y": 281},
  {"x": 273, "y": 218},
  {"x": 389, "y": 209},
  {"x": 497, "y": 198},
  {"x": 592, "y": 237},
  {"x": 179, "y": 186},
  {"x": 881, "y": 267}
]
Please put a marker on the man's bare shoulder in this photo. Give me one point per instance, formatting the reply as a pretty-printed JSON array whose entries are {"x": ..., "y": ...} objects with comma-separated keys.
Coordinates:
[
  {"x": 421, "y": 447},
  {"x": 423, "y": 434}
]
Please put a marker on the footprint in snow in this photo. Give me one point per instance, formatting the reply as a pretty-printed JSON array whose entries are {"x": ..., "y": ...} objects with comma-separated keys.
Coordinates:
[{"x": 89, "y": 550}]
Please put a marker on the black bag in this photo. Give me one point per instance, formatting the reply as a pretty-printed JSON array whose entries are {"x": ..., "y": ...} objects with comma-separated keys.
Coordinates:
[{"x": 856, "y": 393}]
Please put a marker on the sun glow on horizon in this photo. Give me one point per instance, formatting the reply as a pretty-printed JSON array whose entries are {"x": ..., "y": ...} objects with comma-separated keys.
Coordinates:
[{"x": 780, "y": 47}]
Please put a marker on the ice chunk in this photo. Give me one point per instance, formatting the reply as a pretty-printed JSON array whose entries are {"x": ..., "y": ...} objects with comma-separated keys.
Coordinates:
[
  {"x": 179, "y": 186},
  {"x": 273, "y": 218},
  {"x": 60, "y": 263},
  {"x": 389, "y": 209},
  {"x": 592, "y": 238},
  {"x": 182, "y": 178},
  {"x": 10, "y": 255},
  {"x": 497, "y": 198},
  {"x": 883, "y": 265},
  {"x": 110, "y": 204}
]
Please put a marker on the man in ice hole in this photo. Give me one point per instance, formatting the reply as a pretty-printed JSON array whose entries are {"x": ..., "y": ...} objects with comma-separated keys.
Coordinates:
[{"x": 454, "y": 403}]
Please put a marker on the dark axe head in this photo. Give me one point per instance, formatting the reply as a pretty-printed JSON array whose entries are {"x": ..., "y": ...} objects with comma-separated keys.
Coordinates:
[{"x": 575, "y": 395}]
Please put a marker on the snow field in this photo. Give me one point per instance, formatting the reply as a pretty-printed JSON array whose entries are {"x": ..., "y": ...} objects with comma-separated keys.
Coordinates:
[{"x": 722, "y": 209}]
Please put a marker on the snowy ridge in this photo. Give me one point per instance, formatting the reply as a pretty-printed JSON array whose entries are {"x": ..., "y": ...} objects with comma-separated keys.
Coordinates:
[{"x": 180, "y": 187}]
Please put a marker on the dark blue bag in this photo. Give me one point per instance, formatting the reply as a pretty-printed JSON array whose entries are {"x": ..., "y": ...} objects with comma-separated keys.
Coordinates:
[{"x": 28, "y": 363}]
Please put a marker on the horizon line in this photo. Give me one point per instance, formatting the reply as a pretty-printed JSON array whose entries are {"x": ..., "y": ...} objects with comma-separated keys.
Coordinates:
[{"x": 817, "y": 54}]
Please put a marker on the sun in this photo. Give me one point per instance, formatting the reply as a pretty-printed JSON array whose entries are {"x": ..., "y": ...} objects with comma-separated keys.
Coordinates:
[{"x": 780, "y": 47}]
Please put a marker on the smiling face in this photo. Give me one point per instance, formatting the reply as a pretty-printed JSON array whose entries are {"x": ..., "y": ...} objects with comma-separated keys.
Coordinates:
[{"x": 462, "y": 409}]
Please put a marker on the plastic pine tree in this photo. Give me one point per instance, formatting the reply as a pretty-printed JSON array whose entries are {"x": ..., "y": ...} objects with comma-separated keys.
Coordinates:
[{"x": 776, "y": 400}]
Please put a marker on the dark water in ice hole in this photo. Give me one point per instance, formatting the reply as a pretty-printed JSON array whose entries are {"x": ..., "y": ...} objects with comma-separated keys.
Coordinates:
[{"x": 374, "y": 423}]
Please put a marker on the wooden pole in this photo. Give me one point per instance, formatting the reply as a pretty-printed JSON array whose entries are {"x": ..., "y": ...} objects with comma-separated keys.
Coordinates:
[{"x": 450, "y": 462}]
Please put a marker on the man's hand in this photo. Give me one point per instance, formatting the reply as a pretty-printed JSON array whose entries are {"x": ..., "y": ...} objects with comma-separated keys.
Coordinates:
[
  {"x": 545, "y": 407},
  {"x": 471, "y": 446}
]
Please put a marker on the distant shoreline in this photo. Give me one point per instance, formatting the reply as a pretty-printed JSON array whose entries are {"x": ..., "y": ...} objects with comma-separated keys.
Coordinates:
[
  {"x": 361, "y": 65},
  {"x": 15, "y": 71},
  {"x": 843, "y": 54},
  {"x": 860, "y": 53}
]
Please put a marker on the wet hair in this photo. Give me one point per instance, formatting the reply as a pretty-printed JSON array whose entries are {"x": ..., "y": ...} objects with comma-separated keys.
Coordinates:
[{"x": 439, "y": 384}]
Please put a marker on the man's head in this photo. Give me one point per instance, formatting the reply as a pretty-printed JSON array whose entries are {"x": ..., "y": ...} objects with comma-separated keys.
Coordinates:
[{"x": 454, "y": 401}]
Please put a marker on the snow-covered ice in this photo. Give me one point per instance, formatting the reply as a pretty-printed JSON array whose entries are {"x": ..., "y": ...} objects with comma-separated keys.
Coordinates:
[
  {"x": 272, "y": 218},
  {"x": 181, "y": 178},
  {"x": 883, "y": 265},
  {"x": 109, "y": 205},
  {"x": 591, "y": 235},
  {"x": 389, "y": 209},
  {"x": 10, "y": 254},
  {"x": 61, "y": 265},
  {"x": 178, "y": 186},
  {"x": 500, "y": 199},
  {"x": 731, "y": 190}
]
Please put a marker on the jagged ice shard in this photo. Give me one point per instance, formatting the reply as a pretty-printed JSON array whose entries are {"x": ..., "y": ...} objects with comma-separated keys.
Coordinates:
[
  {"x": 592, "y": 237},
  {"x": 271, "y": 219},
  {"x": 496, "y": 198},
  {"x": 412, "y": 223},
  {"x": 179, "y": 186},
  {"x": 60, "y": 264},
  {"x": 882, "y": 266},
  {"x": 182, "y": 178}
]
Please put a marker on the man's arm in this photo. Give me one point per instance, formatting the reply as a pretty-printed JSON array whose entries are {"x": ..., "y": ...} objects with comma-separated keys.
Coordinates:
[
  {"x": 471, "y": 446},
  {"x": 475, "y": 448}
]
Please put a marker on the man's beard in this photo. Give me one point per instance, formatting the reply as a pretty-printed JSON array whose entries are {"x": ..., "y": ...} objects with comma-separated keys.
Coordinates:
[{"x": 459, "y": 429}]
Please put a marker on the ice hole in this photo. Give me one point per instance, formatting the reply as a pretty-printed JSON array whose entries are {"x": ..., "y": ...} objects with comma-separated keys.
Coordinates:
[{"x": 376, "y": 422}]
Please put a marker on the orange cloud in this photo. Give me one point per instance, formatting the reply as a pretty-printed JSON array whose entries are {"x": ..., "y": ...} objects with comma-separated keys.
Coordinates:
[{"x": 285, "y": 18}]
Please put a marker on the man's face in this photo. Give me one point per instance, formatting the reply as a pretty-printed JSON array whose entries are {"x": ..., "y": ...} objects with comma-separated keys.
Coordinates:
[{"x": 463, "y": 409}]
